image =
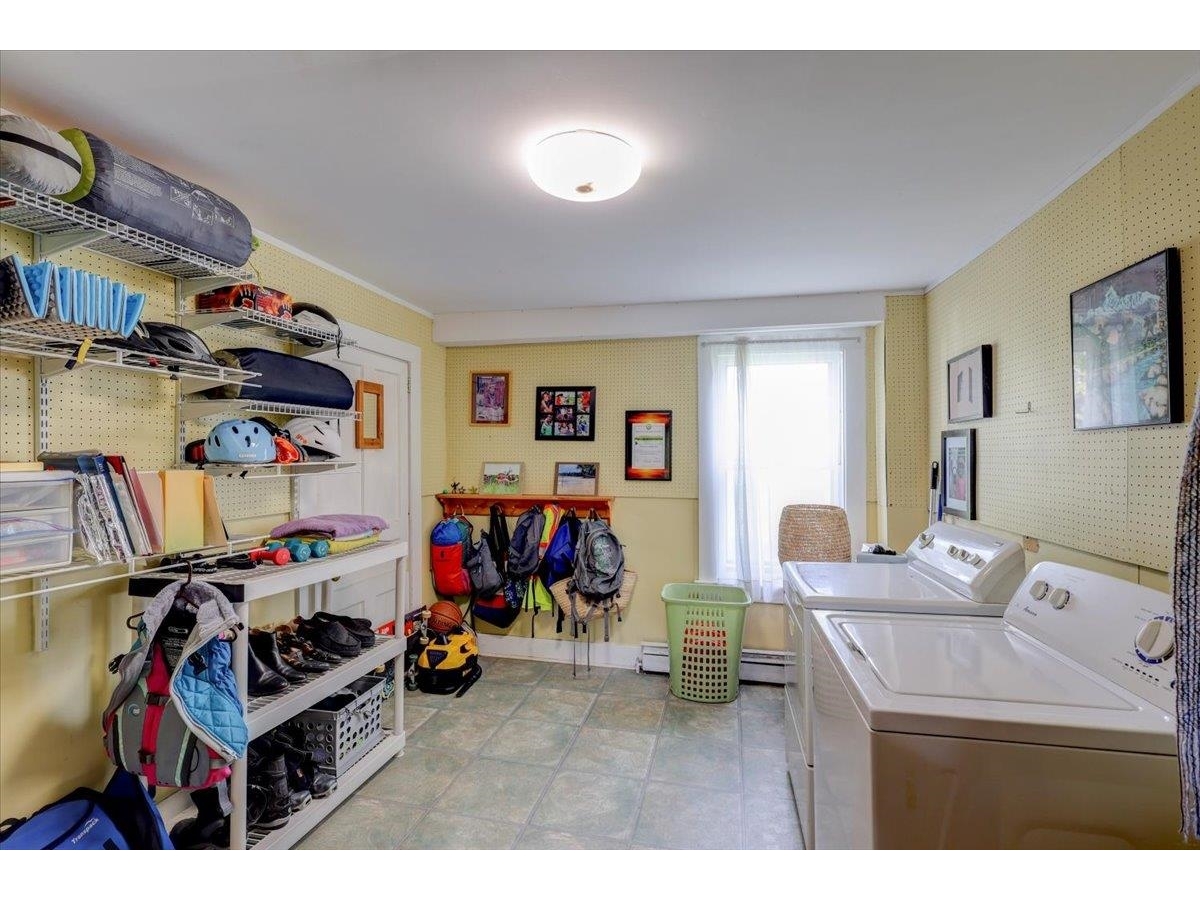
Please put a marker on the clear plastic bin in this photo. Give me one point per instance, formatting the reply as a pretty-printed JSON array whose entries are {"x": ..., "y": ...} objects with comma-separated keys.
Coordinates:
[
  {"x": 704, "y": 634},
  {"x": 35, "y": 490},
  {"x": 39, "y": 552}
]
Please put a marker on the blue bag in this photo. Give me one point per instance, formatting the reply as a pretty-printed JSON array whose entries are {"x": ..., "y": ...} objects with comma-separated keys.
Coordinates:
[{"x": 123, "y": 817}]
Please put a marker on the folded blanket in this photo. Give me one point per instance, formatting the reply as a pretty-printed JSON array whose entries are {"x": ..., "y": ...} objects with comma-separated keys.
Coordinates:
[{"x": 344, "y": 526}]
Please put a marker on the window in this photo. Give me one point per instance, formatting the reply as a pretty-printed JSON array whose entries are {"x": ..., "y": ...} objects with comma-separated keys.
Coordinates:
[{"x": 781, "y": 421}]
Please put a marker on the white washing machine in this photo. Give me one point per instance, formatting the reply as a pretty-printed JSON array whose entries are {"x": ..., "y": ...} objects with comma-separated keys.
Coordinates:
[
  {"x": 1051, "y": 727},
  {"x": 950, "y": 570}
]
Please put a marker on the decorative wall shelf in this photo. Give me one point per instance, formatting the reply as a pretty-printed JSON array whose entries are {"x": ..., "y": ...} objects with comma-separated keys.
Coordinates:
[
  {"x": 273, "y": 326},
  {"x": 515, "y": 504},
  {"x": 62, "y": 226}
]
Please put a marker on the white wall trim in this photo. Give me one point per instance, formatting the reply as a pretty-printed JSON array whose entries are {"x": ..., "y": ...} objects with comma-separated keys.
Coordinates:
[
  {"x": 619, "y": 656},
  {"x": 646, "y": 320},
  {"x": 317, "y": 261},
  {"x": 1173, "y": 96}
]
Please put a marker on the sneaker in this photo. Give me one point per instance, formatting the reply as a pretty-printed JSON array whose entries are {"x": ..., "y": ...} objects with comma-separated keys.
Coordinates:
[{"x": 360, "y": 629}]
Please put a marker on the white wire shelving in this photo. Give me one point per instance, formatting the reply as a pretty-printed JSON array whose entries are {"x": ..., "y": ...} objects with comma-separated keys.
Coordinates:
[
  {"x": 62, "y": 226},
  {"x": 289, "y": 330},
  {"x": 272, "y": 470},
  {"x": 202, "y": 408}
]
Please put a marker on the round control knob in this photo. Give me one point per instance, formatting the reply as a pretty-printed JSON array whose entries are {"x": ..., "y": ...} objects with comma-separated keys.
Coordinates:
[
  {"x": 1156, "y": 641},
  {"x": 924, "y": 539},
  {"x": 953, "y": 551},
  {"x": 1058, "y": 597},
  {"x": 1039, "y": 589}
]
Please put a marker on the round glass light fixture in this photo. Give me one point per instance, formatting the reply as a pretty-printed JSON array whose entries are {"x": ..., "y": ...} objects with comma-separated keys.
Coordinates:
[{"x": 585, "y": 166}]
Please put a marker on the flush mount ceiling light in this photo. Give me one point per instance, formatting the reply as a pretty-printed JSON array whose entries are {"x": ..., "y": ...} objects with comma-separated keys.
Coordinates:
[{"x": 584, "y": 165}]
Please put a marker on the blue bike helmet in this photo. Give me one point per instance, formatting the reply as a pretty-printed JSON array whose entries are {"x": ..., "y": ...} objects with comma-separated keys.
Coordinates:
[{"x": 239, "y": 441}]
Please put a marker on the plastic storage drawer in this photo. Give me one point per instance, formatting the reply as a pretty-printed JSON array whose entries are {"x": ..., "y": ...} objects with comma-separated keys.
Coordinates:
[{"x": 20, "y": 491}]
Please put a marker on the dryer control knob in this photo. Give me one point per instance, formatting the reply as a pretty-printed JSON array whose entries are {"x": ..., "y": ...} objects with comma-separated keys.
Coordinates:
[
  {"x": 1039, "y": 589},
  {"x": 1156, "y": 641},
  {"x": 924, "y": 539},
  {"x": 1059, "y": 597}
]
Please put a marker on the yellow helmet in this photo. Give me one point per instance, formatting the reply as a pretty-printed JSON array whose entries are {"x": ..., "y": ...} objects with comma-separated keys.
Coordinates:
[{"x": 449, "y": 663}]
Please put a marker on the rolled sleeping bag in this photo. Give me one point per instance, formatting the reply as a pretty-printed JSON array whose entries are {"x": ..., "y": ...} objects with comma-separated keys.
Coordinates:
[
  {"x": 134, "y": 192},
  {"x": 32, "y": 156},
  {"x": 283, "y": 378}
]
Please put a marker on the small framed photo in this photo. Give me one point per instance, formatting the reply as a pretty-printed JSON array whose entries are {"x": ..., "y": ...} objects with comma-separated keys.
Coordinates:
[
  {"x": 489, "y": 398},
  {"x": 575, "y": 479},
  {"x": 648, "y": 445},
  {"x": 565, "y": 413},
  {"x": 958, "y": 473},
  {"x": 1127, "y": 346},
  {"x": 500, "y": 478},
  {"x": 969, "y": 385}
]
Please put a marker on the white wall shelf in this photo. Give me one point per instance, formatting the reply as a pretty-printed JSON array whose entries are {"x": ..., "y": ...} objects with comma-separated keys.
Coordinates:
[
  {"x": 202, "y": 408},
  {"x": 272, "y": 470},
  {"x": 62, "y": 226},
  {"x": 280, "y": 329}
]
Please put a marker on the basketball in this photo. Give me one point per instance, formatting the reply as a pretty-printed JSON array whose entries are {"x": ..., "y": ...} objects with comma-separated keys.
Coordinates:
[{"x": 444, "y": 617}]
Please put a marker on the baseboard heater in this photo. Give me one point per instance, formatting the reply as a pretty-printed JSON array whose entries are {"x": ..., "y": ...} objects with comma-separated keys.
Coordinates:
[{"x": 757, "y": 665}]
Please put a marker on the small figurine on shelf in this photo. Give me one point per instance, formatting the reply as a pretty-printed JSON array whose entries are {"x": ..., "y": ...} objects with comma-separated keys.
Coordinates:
[{"x": 456, "y": 488}]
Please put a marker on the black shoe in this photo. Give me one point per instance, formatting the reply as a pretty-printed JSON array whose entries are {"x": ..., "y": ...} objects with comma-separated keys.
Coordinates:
[
  {"x": 192, "y": 834},
  {"x": 262, "y": 681},
  {"x": 302, "y": 765},
  {"x": 272, "y": 807},
  {"x": 298, "y": 660},
  {"x": 329, "y": 636},
  {"x": 289, "y": 640},
  {"x": 267, "y": 650},
  {"x": 360, "y": 629}
]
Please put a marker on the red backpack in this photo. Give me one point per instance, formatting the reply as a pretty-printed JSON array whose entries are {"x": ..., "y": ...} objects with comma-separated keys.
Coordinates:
[{"x": 449, "y": 546}]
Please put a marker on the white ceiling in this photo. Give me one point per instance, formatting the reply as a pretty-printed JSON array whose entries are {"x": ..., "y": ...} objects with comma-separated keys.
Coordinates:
[{"x": 766, "y": 173}]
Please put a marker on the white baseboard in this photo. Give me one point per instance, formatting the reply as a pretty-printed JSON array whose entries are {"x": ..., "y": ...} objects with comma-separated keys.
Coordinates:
[
  {"x": 618, "y": 656},
  {"x": 756, "y": 665}
]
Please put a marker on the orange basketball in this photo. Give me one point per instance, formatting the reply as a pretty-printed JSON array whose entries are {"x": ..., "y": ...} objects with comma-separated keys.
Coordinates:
[{"x": 444, "y": 617}]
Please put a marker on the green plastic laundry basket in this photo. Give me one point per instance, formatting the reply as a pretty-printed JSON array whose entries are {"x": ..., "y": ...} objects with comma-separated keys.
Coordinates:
[{"x": 704, "y": 634}]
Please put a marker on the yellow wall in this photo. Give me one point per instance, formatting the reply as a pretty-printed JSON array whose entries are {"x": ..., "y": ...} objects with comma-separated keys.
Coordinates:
[
  {"x": 1105, "y": 499},
  {"x": 656, "y": 520},
  {"x": 50, "y": 702}
]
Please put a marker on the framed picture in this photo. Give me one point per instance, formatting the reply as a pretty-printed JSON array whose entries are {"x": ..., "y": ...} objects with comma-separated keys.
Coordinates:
[
  {"x": 489, "y": 398},
  {"x": 574, "y": 479},
  {"x": 500, "y": 478},
  {"x": 565, "y": 414},
  {"x": 1127, "y": 346},
  {"x": 969, "y": 385},
  {"x": 958, "y": 473},
  {"x": 368, "y": 427},
  {"x": 647, "y": 445}
]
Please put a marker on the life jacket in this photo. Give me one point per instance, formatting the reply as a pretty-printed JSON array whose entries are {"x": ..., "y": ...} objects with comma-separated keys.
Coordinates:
[{"x": 176, "y": 717}]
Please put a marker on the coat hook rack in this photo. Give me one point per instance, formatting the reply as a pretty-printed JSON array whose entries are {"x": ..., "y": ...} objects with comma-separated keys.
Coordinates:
[{"x": 1028, "y": 408}]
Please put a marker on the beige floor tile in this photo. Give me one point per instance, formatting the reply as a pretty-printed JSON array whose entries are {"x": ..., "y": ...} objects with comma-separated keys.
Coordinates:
[
  {"x": 456, "y": 730},
  {"x": 685, "y": 818},
  {"x": 771, "y": 823},
  {"x": 608, "y": 751},
  {"x": 526, "y": 741},
  {"x": 765, "y": 771},
  {"x": 363, "y": 823},
  {"x": 589, "y": 804},
  {"x": 700, "y": 763},
  {"x": 514, "y": 671},
  {"x": 495, "y": 789},
  {"x": 549, "y": 704},
  {"x": 629, "y": 682},
  {"x": 711, "y": 721},
  {"x": 441, "y": 830},
  {"x": 624, "y": 713},
  {"x": 762, "y": 728},
  {"x": 492, "y": 698},
  {"x": 559, "y": 675},
  {"x": 539, "y": 839},
  {"x": 417, "y": 777}
]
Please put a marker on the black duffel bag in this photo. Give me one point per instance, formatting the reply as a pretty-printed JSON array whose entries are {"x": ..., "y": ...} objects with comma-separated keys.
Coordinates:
[{"x": 283, "y": 379}]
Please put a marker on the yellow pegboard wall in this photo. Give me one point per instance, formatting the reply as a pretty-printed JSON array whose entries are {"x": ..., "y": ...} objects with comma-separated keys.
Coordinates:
[
  {"x": 904, "y": 355},
  {"x": 872, "y": 488},
  {"x": 1111, "y": 493},
  {"x": 632, "y": 374}
]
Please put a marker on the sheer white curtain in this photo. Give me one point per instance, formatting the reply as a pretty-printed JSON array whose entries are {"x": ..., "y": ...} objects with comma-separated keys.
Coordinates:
[{"x": 773, "y": 426}]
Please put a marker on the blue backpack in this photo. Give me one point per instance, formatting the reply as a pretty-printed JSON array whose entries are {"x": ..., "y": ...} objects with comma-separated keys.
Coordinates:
[{"x": 123, "y": 817}]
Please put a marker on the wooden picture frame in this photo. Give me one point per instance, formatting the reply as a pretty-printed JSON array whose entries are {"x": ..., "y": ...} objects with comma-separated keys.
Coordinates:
[
  {"x": 1127, "y": 346},
  {"x": 368, "y": 426},
  {"x": 490, "y": 392},
  {"x": 958, "y": 473},
  {"x": 576, "y": 479},
  {"x": 564, "y": 413},
  {"x": 500, "y": 478},
  {"x": 969, "y": 385},
  {"x": 648, "y": 445}
]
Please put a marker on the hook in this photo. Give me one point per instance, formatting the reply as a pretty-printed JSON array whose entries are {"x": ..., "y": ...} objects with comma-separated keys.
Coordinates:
[
  {"x": 1028, "y": 408},
  {"x": 190, "y": 572}
]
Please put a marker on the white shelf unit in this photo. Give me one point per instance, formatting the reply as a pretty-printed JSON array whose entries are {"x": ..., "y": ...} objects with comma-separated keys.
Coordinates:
[
  {"x": 202, "y": 408},
  {"x": 286, "y": 330},
  {"x": 244, "y": 587},
  {"x": 272, "y": 470}
]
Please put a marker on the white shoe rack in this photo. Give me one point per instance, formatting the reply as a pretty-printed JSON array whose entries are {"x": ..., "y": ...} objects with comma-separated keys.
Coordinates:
[{"x": 243, "y": 588}]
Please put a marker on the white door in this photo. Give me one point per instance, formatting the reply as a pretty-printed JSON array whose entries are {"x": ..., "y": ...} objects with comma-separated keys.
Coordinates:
[{"x": 377, "y": 485}]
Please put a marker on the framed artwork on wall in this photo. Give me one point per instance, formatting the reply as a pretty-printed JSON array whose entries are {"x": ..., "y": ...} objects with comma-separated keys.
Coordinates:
[
  {"x": 500, "y": 478},
  {"x": 565, "y": 413},
  {"x": 575, "y": 479},
  {"x": 368, "y": 427},
  {"x": 958, "y": 473},
  {"x": 1127, "y": 346},
  {"x": 969, "y": 385},
  {"x": 648, "y": 445},
  {"x": 489, "y": 398}
]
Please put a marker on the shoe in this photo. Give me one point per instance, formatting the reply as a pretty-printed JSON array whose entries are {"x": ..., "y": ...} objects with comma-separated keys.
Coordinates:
[
  {"x": 267, "y": 650},
  {"x": 268, "y": 776},
  {"x": 192, "y": 834},
  {"x": 261, "y": 680},
  {"x": 359, "y": 628},
  {"x": 298, "y": 660},
  {"x": 289, "y": 640},
  {"x": 302, "y": 764},
  {"x": 328, "y": 636}
]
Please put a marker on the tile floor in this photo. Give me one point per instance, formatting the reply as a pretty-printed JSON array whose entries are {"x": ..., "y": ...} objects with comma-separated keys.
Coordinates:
[{"x": 531, "y": 758}]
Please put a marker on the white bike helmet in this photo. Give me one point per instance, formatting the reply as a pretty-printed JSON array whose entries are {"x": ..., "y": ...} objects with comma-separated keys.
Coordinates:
[{"x": 319, "y": 438}]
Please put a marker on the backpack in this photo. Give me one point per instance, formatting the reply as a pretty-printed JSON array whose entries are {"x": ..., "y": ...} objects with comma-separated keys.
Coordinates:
[
  {"x": 123, "y": 817},
  {"x": 486, "y": 579},
  {"x": 500, "y": 607},
  {"x": 599, "y": 567},
  {"x": 176, "y": 717},
  {"x": 497, "y": 538},
  {"x": 449, "y": 551},
  {"x": 523, "y": 547}
]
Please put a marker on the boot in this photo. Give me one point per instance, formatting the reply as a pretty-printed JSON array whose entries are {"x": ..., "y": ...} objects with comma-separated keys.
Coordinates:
[
  {"x": 262, "y": 681},
  {"x": 268, "y": 776},
  {"x": 302, "y": 765},
  {"x": 267, "y": 650}
]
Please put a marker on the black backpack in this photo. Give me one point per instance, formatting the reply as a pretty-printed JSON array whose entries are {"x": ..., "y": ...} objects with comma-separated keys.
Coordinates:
[
  {"x": 500, "y": 607},
  {"x": 523, "y": 548},
  {"x": 486, "y": 579}
]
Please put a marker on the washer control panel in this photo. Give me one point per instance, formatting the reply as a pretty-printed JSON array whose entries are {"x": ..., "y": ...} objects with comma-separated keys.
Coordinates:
[
  {"x": 1122, "y": 630},
  {"x": 978, "y": 566}
]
